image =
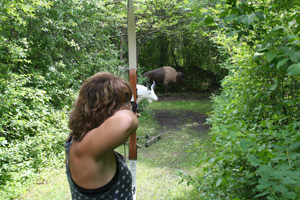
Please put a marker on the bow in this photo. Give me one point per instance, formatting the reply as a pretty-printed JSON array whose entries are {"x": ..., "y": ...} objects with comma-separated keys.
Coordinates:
[{"x": 133, "y": 81}]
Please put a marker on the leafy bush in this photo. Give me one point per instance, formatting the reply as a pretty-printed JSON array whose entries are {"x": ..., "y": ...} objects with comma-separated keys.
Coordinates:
[
  {"x": 32, "y": 132},
  {"x": 256, "y": 117},
  {"x": 257, "y": 144},
  {"x": 46, "y": 50}
]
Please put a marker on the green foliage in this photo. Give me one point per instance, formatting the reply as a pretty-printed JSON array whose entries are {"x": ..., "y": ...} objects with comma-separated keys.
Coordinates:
[
  {"x": 24, "y": 109},
  {"x": 32, "y": 132},
  {"x": 47, "y": 48},
  {"x": 166, "y": 28},
  {"x": 256, "y": 117}
]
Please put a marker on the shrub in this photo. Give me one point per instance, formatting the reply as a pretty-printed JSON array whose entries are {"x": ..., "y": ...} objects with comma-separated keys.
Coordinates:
[{"x": 256, "y": 134}]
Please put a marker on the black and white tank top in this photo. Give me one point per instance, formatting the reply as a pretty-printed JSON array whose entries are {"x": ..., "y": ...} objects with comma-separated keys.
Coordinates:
[{"x": 119, "y": 188}]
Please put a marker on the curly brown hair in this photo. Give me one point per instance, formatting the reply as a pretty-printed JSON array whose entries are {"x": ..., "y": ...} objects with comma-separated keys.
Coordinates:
[{"x": 100, "y": 96}]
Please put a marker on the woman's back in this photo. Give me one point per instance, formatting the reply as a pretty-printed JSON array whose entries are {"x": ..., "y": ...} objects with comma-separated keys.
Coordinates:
[{"x": 100, "y": 121}]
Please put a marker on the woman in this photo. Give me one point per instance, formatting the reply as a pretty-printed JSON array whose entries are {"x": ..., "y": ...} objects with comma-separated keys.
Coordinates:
[{"x": 100, "y": 121}]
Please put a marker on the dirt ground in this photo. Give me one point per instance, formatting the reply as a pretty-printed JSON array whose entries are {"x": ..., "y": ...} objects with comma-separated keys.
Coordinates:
[
  {"x": 173, "y": 120},
  {"x": 176, "y": 119}
]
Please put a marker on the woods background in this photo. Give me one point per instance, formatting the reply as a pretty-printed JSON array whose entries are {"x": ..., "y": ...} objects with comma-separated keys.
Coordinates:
[{"x": 249, "y": 48}]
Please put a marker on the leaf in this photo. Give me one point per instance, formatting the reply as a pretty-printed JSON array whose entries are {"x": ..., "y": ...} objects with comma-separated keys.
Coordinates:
[
  {"x": 263, "y": 194},
  {"x": 244, "y": 144},
  {"x": 264, "y": 183},
  {"x": 290, "y": 195},
  {"x": 288, "y": 181},
  {"x": 244, "y": 19},
  {"x": 223, "y": 128},
  {"x": 290, "y": 37},
  {"x": 229, "y": 18},
  {"x": 294, "y": 69},
  {"x": 232, "y": 134},
  {"x": 279, "y": 158},
  {"x": 253, "y": 160},
  {"x": 274, "y": 85},
  {"x": 260, "y": 15},
  {"x": 230, "y": 34},
  {"x": 278, "y": 147},
  {"x": 281, "y": 63},
  {"x": 212, "y": 160},
  {"x": 223, "y": 14},
  {"x": 286, "y": 50},
  {"x": 257, "y": 54},
  {"x": 270, "y": 56},
  {"x": 247, "y": 19},
  {"x": 209, "y": 20},
  {"x": 250, "y": 18},
  {"x": 266, "y": 171},
  {"x": 3, "y": 141},
  {"x": 295, "y": 57},
  {"x": 263, "y": 47},
  {"x": 294, "y": 155},
  {"x": 296, "y": 30},
  {"x": 298, "y": 19},
  {"x": 263, "y": 123},
  {"x": 294, "y": 145},
  {"x": 276, "y": 28},
  {"x": 280, "y": 188},
  {"x": 219, "y": 181}
]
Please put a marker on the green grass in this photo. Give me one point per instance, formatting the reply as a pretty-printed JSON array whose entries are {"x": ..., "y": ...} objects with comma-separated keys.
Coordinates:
[
  {"x": 160, "y": 167},
  {"x": 193, "y": 105},
  {"x": 52, "y": 186}
]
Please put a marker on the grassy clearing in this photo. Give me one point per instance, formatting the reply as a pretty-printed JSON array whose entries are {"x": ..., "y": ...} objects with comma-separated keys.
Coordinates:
[
  {"x": 192, "y": 105},
  {"x": 53, "y": 187},
  {"x": 159, "y": 166}
]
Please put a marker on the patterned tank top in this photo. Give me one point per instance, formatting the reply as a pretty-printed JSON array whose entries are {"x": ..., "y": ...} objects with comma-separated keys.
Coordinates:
[{"x": 120, "y": 190}]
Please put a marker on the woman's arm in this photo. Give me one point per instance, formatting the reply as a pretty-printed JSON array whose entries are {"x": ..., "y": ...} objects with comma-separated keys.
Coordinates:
[{"x": 112, "y": 132}]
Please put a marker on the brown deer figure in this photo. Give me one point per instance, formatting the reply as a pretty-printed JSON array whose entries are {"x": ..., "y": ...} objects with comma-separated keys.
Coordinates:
[{"x": 164, "y": 75}]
